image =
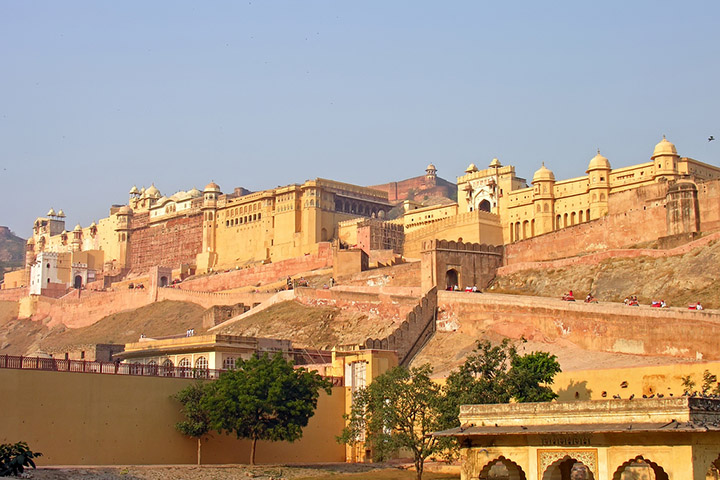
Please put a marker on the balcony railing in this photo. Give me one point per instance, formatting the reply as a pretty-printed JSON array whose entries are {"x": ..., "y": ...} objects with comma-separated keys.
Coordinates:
[{"x": 112, "y": 368}]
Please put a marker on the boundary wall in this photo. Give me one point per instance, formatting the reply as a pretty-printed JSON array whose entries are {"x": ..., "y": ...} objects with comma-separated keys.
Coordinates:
[
  {"x": 13, "y": 294},
  {"x": 94, "y": 419},
  {"x": 604, "y": 327}
]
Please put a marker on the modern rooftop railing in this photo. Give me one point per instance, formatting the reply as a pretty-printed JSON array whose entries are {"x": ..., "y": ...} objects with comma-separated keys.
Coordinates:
[{"x": 116, "y": 368}]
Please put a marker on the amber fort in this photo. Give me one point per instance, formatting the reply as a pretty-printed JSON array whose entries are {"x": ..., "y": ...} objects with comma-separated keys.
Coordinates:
[{"x": 352, "y": 280}]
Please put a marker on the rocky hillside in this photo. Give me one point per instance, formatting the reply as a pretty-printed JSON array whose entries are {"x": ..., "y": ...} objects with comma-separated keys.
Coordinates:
[
  {"x": 679, "y": 280},
  {"x": 12, "y": 251}
]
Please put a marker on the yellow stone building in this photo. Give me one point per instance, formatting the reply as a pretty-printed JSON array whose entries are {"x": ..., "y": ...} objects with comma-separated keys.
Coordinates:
[
  {"x": 279, "y": 223},
  {"x": 653, "y": 439},
  {"x": 549, "y": 205}
]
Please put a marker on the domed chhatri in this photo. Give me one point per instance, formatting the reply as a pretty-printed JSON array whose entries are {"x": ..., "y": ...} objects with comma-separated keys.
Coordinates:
[
  {"x": 153, "y": 191},
  {"x": 212, "y": 187},
  {"x": 51, "y": 213},
  {"x": 431, "y": 167},
  {"x": 598, "y": 162},
  {"x": 471, "y": 168},
  {"x": 495, "y": 163},
  {"x": 134, "y": 190},
  {"x": 77, "y": 228},
  {"x": 665, "y": 147},
  {"x": 543, "y": 174},
  {"x": 61, "y": 214}
]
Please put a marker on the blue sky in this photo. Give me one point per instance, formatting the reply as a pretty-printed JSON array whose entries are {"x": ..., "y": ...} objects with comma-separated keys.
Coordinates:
[{"x": 98, "y": 96}]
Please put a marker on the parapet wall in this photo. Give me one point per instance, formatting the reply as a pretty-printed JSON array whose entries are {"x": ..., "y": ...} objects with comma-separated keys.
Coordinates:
[
  {"x": 605, "y": 327},
  {"x": 471, "y": 227}
]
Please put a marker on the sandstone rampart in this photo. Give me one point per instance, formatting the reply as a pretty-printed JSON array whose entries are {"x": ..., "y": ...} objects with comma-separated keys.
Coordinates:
[
  {"x": 170, "y": 243},
  {"x": 413, "y": 333},
  {"x": 595, "y": 258},
  {"x": 13, "y": 294},
  {"x": 605, "y": 327},
  {"x": 260, "y": 274}
]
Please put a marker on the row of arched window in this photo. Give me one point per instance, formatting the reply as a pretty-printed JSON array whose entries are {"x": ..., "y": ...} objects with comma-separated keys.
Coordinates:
[
  {"x": 526, "y": 229},
  {"x": 242, "y": 220},
  {"x": 358, "y": 208}
]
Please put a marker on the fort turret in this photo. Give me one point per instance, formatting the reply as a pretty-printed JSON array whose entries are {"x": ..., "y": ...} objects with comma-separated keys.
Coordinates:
[
  {"x": 544, "y": 200},
  {"x": 598, "y": 185},
  {"x": 207, "y": 258},
  {"x": 665, "y": 161}
]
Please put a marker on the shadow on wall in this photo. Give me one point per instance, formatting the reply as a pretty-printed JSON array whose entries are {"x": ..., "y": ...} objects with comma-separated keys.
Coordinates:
[{"x": 574, "y": 391}]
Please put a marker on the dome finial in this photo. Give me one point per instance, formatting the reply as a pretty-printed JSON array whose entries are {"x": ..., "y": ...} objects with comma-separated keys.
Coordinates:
[{"x": 598, "y": 151}]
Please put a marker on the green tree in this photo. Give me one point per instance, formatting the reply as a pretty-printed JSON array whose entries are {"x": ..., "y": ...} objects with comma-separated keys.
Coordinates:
[
  {"x": 264, "y": 398},
  {"x": 197, "y": 418},
  {"x": 399, "y": 409},
  {"x": 498, "y": 374}
]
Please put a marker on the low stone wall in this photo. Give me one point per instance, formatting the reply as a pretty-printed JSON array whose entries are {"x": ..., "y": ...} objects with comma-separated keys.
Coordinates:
[
  {"x": 375, "y": 304},
  {"x": 605, "y": 327}
]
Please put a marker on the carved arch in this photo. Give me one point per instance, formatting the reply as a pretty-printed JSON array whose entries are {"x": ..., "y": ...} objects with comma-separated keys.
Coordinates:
[
  {"x": 513, "y": 469},
  {"x": 640, "y": 461}
]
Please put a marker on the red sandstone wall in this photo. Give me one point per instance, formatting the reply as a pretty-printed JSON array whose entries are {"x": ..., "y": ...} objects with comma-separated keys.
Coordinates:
[
  {"x": 605, "y": 327},
  {"x": 90, "y": 306},
  {"x": 387, "y": 306},
  {"x": 170, "y": 244},
  {"x": 13, "y": 294},
  {"x": 261, "y": 274}
]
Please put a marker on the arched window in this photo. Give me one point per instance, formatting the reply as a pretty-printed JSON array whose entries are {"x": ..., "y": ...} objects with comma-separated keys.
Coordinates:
[
  {"x": 167, "y": 368},
  {"x": 201, "y": 367},
  {"x": 229, "y": 363},
  {"x": 184, "y": 367}
]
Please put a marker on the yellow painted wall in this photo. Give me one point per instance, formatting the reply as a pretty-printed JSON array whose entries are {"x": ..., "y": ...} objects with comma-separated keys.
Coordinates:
[
  {"x": 94, "y": 419},
  {"x": 648, "y": 380},
  {"x": 15, "y": 279}
]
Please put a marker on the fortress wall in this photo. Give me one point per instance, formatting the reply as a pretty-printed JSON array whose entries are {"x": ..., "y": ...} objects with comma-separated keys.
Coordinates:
[
  {"x": 209, "y": 299},
  {"x": 85, "y": 307},
  {"x": 709, "y": 205},
  {"x": 604, "y": 327},
  {"x": 13, "y": 294},
  {"x": 401, "y": 275},
  {"x": 171, "y": 243},
  {"x": 610, "y": 232},
  {"x": 595, "y": 258},
  {"x": 389, "y": 307},
  {"x": 269, "y": 273},
  {"x": 95, "y": 419},
  {"x": 413, "y": 333}
]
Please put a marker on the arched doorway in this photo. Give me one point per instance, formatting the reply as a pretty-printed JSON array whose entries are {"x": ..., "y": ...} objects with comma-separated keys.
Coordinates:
[
  {"x": 713, "y": 472},
  {"x": 484, "y": 206},
  {"x": 502, "y": 469},
  {"x": 163, "y": 281},
  {"x": 451, "y": 279},
  {"x": 568, "y": 468},
  {"x": 640, "y": 468},
  {"x": 78, "y": 281}
]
